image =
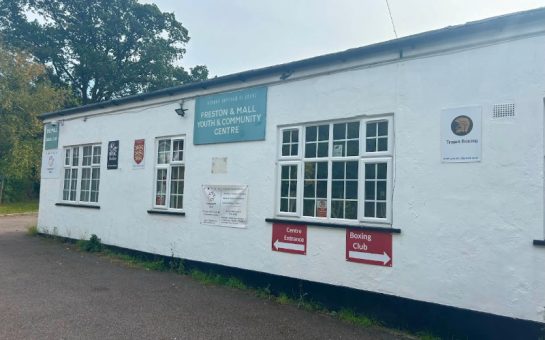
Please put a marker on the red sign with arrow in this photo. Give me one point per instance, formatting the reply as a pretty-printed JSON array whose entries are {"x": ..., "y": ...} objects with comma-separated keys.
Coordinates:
[
  {"x": 289, "y": 238},
  {"x": 369, "y": 247}
]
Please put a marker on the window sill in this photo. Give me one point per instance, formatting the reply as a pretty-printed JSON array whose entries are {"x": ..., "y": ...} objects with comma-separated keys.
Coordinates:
[
  {"x": 335, "y": 225},
  {"x": 539, "y": 243},
  {"x": 166, "y": 212},
  {"x": 76, "y": 205}
]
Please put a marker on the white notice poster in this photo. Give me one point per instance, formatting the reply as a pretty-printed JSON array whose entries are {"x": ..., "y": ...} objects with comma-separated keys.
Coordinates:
[
  {"x": 50, "y": 164},
  {"x": 461, "y": 134},
  {"x": 224, "y": 205}
]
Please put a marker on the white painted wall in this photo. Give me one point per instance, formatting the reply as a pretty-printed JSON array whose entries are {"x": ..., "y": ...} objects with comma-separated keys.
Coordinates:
[{"x": 467, "y": 229}]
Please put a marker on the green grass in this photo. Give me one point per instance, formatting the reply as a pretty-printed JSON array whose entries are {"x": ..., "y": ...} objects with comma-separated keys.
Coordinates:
[
  {"x": 132, "y": 261},
  {"x": 18, "y": 207},
  {"x": 175, "y": 265},
  {"x": 284, "y": 299},
  {"x": 350, "y": 316},
  {"x": 427, "y": 336},
  {"x": 32, "y": 230}
]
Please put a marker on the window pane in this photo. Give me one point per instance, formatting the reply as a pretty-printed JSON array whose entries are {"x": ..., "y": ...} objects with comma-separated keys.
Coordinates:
[
  {"x": 322, "y": 149},
  {"x": 285, "y": 150},
  {"x": 311, "y": 133},
  {"x": 285, "y": 172},
  {"x": 293, "y": 171},
  {"x": 369, "y": 190},
  {"x": 315, "y": 188},
  {"x": 295, "y": 136},
  {"x": 293, "y": 189},
  {"x": 288, "y": 188},
  {"x": 95, "y": 181},
  {"x": 321, "y": 189},
  {"x": 351, "y": 189},
  {"x": 310, "y": 150},
  {"x": 176, "y": 187},
  {"x": 352, "y": 148},
  {"x": 96, "y": 154},
  {"x": 351, "y": 210},
  {"x": 381, "y": 190},
  {"x": 310, "y": 170},
  {"x": 337, "y": 189},
  {"x": 352, "y": 170},
  {"x": 177, "y": 173},
  {"x": 338, "y": 170},
  {"x": 95, "y": 176},
  {"x": 284, "y": 188},
  {"x": 323, "y": 132},
  {"x": 86, "y": 160},
  {"x": 85, "y": 184},
  {"x": 382, "y": 144},
  {"x": 381, "y": 170},
  {"x": 178, "y": 150},
  {"x": 339, "y": 149},
  {"x": 284, "y": 204},
  {"x": 337, "y": 209},
  {"x": 290, "y": 139},
  {"x": 66, "y": 187},
  {"x": 353, "y": 130},
  {"x": 163, "y": 151},
  {"x": 381, "y": 210},
  {"x": 286, "y": 136},
  {"x": 371, "y": 129},
  {"x": 294, "y": 149},
  {"x": 308, "y": 207},
  {"x": 371, "y": 145},
  {"x": 339, "y": 131},
  {"x": 161, "y": 187},
  {"x": 67, "y": 157},
  {"x": 369, "y": 209},
  {"x": 377, "y": 137},
  {"x": 73, "y": 184},
  {"x": 75, "y": 156},
  {"x": 369, "y": 171},
  {"x": 310, "y": 189},
  {"x": 383, "y": 129},
  {"x": 292, "y": 205},
  {"x": 322, "y": 170}
]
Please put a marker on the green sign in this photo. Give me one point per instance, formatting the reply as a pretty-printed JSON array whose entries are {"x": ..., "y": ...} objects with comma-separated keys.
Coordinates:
[
  {"x": 51, "y": 140},
  {"x": 237, "y": 116}
]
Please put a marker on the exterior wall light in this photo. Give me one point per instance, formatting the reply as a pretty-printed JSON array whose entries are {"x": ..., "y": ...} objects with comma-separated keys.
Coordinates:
[{"x": 181, "y": 111}]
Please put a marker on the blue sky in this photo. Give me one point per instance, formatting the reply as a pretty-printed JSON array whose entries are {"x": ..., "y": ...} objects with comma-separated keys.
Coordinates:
[{"x": 237, "y": 35}]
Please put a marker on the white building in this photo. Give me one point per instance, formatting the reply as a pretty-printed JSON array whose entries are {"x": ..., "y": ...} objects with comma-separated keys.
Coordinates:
[{"x": 411, "y": 168}]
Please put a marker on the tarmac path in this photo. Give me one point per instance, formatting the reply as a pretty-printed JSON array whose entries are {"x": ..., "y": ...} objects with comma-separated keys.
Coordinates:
[{"x": 48, "y": 290}]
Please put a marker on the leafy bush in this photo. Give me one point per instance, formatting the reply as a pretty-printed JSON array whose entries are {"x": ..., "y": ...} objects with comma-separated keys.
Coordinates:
[{"x": 93, "y": 245}]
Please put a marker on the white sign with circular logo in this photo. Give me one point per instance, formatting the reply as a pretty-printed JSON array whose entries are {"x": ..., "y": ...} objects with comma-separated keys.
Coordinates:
[{"x": 461, "y": 134}]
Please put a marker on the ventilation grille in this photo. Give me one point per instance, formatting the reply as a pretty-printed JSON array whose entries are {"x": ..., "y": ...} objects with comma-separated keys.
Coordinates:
[{"x": 503, "y": 111}]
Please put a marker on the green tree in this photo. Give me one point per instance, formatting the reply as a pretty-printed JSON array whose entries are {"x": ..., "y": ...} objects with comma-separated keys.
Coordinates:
[
  {"x": 102, "y": 49},
  {"x": 25, "y": 92}
]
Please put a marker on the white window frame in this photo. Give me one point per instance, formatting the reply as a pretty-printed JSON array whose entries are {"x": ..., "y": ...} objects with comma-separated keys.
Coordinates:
[
  {"x": 168, "y": 166},
  {"x": 80, "y": 167},
  {"x": 362, "y": 158},
  {"x": 298, "y": 205},
  {"x": 363, "y": 138},
  {"x": 361, "y": 189},
  {"x": 299, "y": 144}
]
